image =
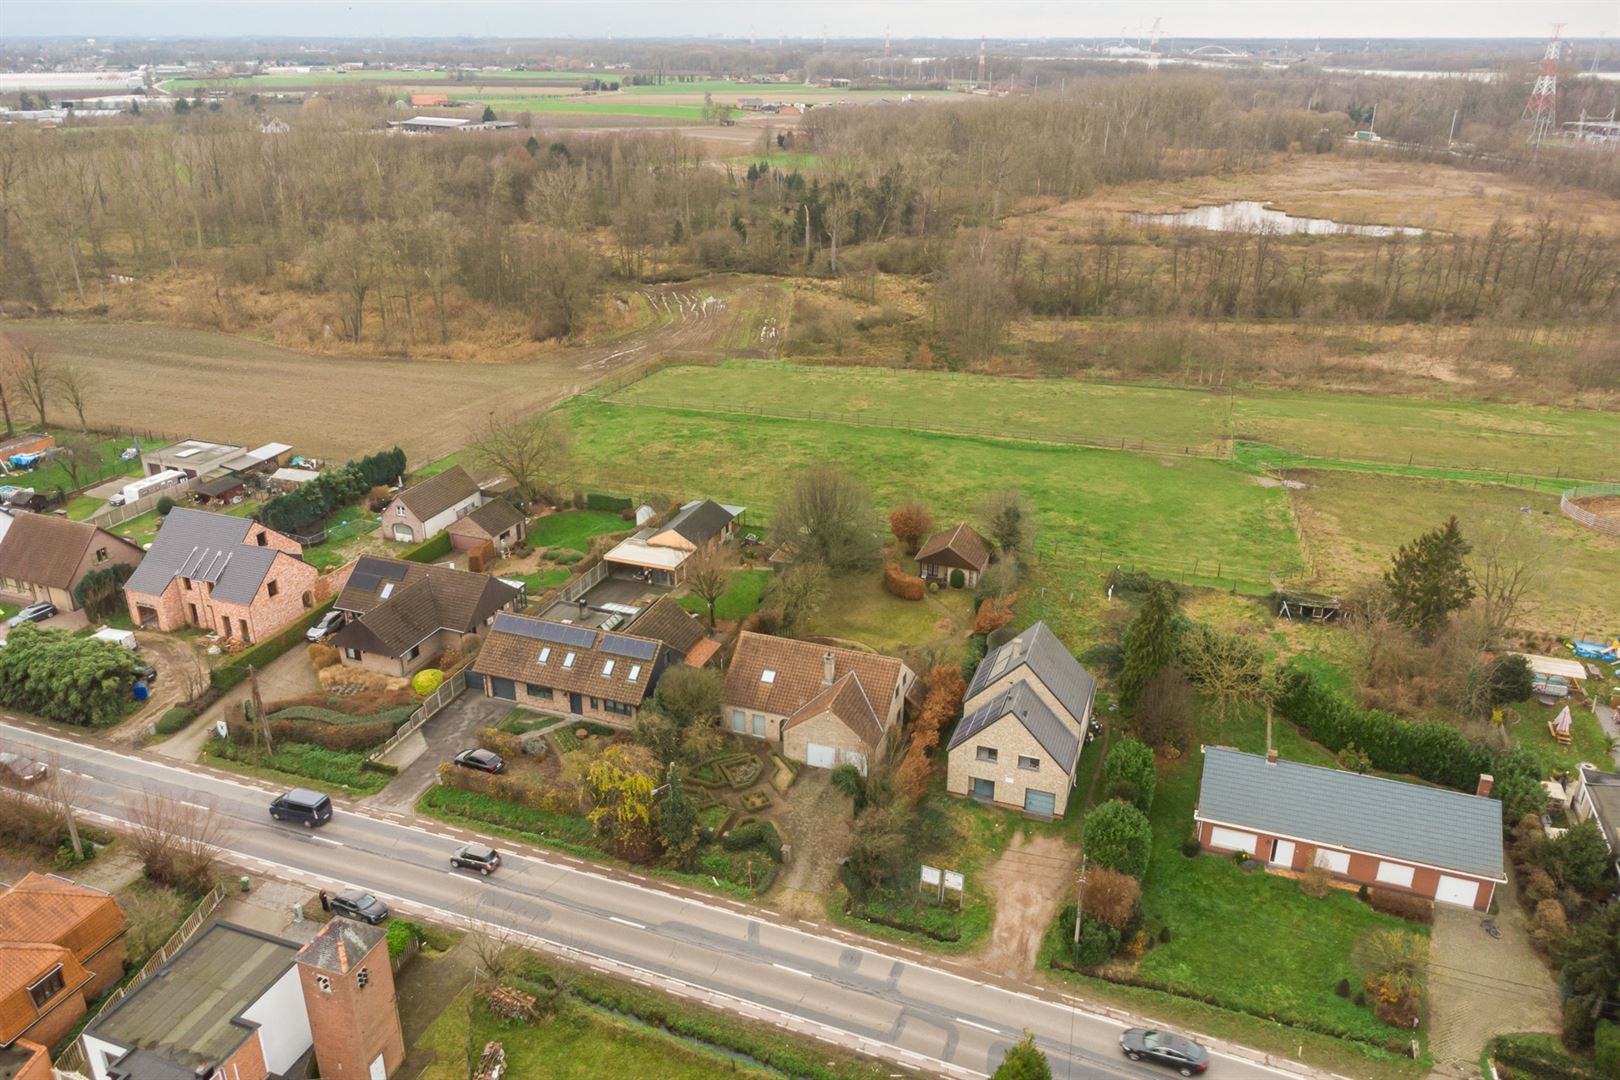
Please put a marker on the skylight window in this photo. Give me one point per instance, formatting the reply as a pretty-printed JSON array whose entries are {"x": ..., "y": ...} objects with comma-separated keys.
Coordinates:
[
  {"x": 568, "y": 661},
  {"x": 545, "y": 654},
  {"x": 607, "y": 668},
  {"x": 388, "y": 587},
  {"x": 635, "y": 672},
  {"x": 768, "y": 676}
]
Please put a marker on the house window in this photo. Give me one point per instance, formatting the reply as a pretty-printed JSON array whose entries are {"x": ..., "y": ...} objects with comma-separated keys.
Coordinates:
[
  {"x": 739, "y": 721},
  {"x": 616, "y": 707},
  {"x": 568, "y": 660},
  {"x": 352, "y": 654},
  {"x": 399, "y": 511},
  {"x": 767, "y": 676},
  {"x": 272, "y": 588},
  {"x": 362, "y": 978},
  {"x": 759, "y": 725},
  {"x": 541, "y": 692},
  {"x": 987, "y": 754},
  {"x": 101, "y": 554},
  {"x": 545, "y": 654},
  {"x": 387, "y": 590},
  {"x": 48, "y": 987},
  {"x": 1337, "y": 862},
  {"x": 1030, "y": 763},
  {"x": 413, "y": 652},
  {"x": 263, "y": 538},
  {"x": 607, "y": 668}
]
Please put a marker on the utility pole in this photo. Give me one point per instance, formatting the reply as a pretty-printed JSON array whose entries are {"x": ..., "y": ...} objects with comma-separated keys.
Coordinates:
[
  {"x": 258, "y": 708},
  {"x": 1451, "y": 139},
  {"x": 1542, "y": 108},
  {"x": 1079, "y": 907}
]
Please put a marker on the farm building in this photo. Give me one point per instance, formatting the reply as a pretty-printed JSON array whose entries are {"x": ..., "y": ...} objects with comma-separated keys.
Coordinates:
[
  {"x": 405, "y": 614},
  {"x": 429, "y": 101},
  {"x": 222, "y": 489},
  {"x": 43, "y": 557},
  {"x": 1442, "y": 845},
  {"x": 562, "y": 668},
  {"x": 662, "y": 554},
  {"x": 429, "y": 507},
  {"x": 822, "y": 705},
  {"x": 263, "y": 459},
  {"x": 194, "y": 457},
  {"x": 290, "y": 479},
  {"x": 955, "y": 557}
]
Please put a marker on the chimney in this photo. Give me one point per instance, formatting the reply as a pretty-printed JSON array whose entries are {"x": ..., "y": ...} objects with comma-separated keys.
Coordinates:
[
  {"x": 1271, "y": 756},
  {"x": 584, "y": 609},
  {"x": 1486, "y": 780},
  {"x": 827, "y": 669}
]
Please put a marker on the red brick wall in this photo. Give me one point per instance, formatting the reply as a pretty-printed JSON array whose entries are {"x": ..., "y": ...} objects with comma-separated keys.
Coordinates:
[
  {"x": 351, "y": 1025},
  {"x": 38, "y": 1066},
  {"x": 106, "y": 967},
  {"x": 247, "y": 1063}
]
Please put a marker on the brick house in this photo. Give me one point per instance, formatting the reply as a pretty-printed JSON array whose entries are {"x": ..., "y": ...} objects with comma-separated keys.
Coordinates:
[
  {"x": 1023, "y": 726},
  {"x": 821, "y": 705},
  {"x": 235, "y": 1004},
  {"x": 404, "y": 614},
  {"x": 1438, "y": 844},
  {"x": 563, "y": 668},
  {"x": 44, "y": 557},
  {"x": 665, "y": 620},
  {"x": 429, "y": 507},
  {"x": 224, "y": 574},
  {"x": 958, "y": 548},
  {"x": 24, "y": 1060},
  {"x": 61, "y": 944},
  {"x": 497, "y": 523},
  {"x": 662, "y": 554}
]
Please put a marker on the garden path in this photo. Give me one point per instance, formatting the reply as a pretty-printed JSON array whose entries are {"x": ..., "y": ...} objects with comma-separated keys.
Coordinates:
[
  {"x": 816, "y": 821},
  {"x": 1029, "y": 882}
]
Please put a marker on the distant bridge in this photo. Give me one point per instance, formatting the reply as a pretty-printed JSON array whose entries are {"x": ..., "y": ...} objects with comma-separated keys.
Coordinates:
[{"x": 1218, "y": 50}]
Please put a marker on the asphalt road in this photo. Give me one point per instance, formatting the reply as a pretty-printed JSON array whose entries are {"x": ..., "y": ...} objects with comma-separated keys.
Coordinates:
[{"x": 739, "y": 958}]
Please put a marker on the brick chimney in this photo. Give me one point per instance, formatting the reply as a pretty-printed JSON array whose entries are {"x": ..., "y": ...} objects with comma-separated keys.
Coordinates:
[
  {"x": 827, "y": 668},
  {"x": 1486, "y": 780},
  {"x": 1271, "y": 756}
]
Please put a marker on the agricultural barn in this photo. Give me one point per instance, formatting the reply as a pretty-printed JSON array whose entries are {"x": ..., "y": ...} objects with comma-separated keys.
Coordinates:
[{"x": 1431, "y": 842}]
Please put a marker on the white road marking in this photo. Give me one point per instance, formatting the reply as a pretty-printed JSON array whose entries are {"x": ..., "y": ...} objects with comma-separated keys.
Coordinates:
[
  {"x": 626, "y": 922},
  {"x": 792, "y": 970},
  {"x": 975, "y": 1023},
  {"x": 324, "y": 840}
]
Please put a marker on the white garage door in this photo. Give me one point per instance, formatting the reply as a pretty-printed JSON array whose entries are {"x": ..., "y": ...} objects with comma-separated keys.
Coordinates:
[
  {"x": 1337, "y": 862},
  {"x": 822, "y": 757},
  {"x": 1232, "y": 840},
  {"x": 1456, "y": 890}
]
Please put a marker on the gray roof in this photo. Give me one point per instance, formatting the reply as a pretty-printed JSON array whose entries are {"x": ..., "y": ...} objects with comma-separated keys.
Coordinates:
[
  {"x": 1370, "y": 814},
  {"x": 341, "y": 944},
  {"x": 1039, "y": 650},
  {"x": 1020, "y": 699},
  {"x": 699, "y": 521},
  {"x": 1604, "y": 791},
  {"x": 204, "y": 547}
]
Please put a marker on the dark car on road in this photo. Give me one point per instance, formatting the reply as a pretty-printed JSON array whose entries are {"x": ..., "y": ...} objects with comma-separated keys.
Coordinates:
[
  {"x": 16, "y": 769},
  {"x": 33, "y": 613},
  {"x": 329, "y": 624},
  {"x": 482, "y": 760},
  {"x": 359, "y": 905},
  {"x": 1163, "y": 1048},
  {"x": 479, "y": 857}
]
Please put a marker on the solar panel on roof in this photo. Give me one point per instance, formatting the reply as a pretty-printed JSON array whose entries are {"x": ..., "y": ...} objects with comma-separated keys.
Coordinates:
[
  {"x": 368, "y": 573},
  {"x": 635, "y": 648},
  {"x": 539, "y": 630}
]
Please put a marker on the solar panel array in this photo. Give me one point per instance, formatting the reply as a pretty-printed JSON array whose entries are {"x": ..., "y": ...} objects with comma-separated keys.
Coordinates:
[
  {"x": 578, "y": 637},
  {"x": 635, "y": 648},
  {"x": 368, "y": 573}
]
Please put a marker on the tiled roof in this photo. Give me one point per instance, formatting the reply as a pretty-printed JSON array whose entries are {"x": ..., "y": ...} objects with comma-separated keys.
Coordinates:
[
  {"x": 798, "y": 674},
  {"x": 43, "y": 549},
  {"x": 699, "y": 522},
  {"x": 22, "y": 965},
  {"x": 602, "y": 663},
  {"x": 404, "y": 602},
  {"x": 846, "y": 700},
  {"x": 1021, "y": 701},
  {"x": 960, "y": 547},
  {"x": 204, "y": 547},
  {"x": 437, "y": 494},
  {"x": 1039, "y": 650},
  {"x": 493, "y": 518},
  {"x": 1410, "y": 822},
  {"x": 665, "y": 620},
  {"x": 44, "y": 908},
  {"x": 340, "y": 945}
]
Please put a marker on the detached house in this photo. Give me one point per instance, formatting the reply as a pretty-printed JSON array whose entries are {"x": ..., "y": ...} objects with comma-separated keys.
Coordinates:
[
  {"x": 496, "y": 523},
  {"x": 44, "y": 557},
  {"x": 404, "y": 614},
  {"x": 427, "y": 508},
  {"x": 565, "y": 668},
  {"x": 1023, "y": 726},
  {"x": 61, "y": 944},
  {"x": 1435, "y": 843},
  {"x": 821, "y": 705},
  {"x": 663, "y": 554},
  {"x": 954, "y": 550},
  {"x": 225, "y": 574}
]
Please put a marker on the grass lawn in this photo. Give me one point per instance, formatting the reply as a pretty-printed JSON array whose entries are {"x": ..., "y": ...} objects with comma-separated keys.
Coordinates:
[
  {"x": 541, "y": 580},
  {"x": 741, "y": 598},
  {"x": 602, "y": 105},
  {"x": 1588, "y": 742},
  {"x": 574, "y": 528},
  {"x": 1351, "y": 524},
  {"x": 80, "y": 507},
  {"x": 1100, "y": 504},
  {"x": 140, "y": 529},
  {"x": 521, "y": 721},
  {"x": 336, "y": 772},
  {"x": 859, "y": 608},
  {"x": 105, "y": 465}
]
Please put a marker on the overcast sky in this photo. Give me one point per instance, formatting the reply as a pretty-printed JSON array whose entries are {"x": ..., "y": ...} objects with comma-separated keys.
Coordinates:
[{"x": 837, "y": 18}]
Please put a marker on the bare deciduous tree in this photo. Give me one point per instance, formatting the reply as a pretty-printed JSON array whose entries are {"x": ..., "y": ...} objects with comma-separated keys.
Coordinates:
[
  {"x": 1506, "y": 565},
  {"x": 76, "y": 384},
  {"x": 709, "y": 580},
  {"x": 178, "y": 844},
  {"x": 63, "y": 791},
  {"x": 35, "y": 375},
  {"x": 531, "y": 450},
  {"x": 827, "y": 516}
]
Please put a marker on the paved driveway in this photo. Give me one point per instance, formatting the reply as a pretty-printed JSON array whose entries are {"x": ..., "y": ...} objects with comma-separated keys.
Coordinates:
[
  {"x": 451, "y": 731},
  {"x": 62, "y": 620}
]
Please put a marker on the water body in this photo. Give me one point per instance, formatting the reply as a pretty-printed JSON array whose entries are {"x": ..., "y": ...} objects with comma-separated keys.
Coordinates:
[{"x": 1248, "y": 216}]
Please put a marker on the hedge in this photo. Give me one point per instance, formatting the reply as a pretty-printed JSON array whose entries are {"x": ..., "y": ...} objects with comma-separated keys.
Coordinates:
[
  {"x": 901, "y": 584},
  {"x": 394, "y": 714},
  {"x": 1538, "y": 1057},
  {"x": 1402, "y": 905},
  {"x": 595, "y": 500},
  {"x": 174, "y": 720},
  {"x": 234, "y": 670},
  {"x": 434, "y": 547},
  {"x": 756, "y": 834},
  {"x": 1606, "y": 1041}
]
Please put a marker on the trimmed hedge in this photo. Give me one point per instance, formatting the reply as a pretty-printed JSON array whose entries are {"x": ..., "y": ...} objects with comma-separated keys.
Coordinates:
[
  {"x": 394, "y": 714},
  {"x": 401, "y": 932},
  {"x": 234, "y": 670},
  {"x": 1402, "y": 905},
  {"x": 1538, "y": 1057},
  {"x": 756, "y": 834},
  {"x": 175, "y": 720},
  {"x": 899, "y": 583},
  {"x": 434, "y": 547},
  {"x": 595, "y": 500},
  {"x": 380, "y": 767}
]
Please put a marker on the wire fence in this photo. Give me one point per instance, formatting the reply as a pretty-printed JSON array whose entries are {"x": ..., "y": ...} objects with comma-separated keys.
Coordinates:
[{"x": 1569, "y": 504}]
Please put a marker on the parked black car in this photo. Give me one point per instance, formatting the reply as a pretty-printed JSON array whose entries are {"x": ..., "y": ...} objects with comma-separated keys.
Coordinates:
[
  {"x": 16, "y": 769},
  {"x": 33, "y": 613},
  {"x": 359, "y": 905},
  {"x": 482, "y": 760},
  {"x": 479, "y": 857},
  {"x": 1163, "y": 1048}
]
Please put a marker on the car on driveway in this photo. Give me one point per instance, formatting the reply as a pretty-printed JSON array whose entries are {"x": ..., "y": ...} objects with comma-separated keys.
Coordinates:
[
  {"x": 1163, "y": 1048},
  {"x": 16, "y": 769},
  {"x": 356, "y": 904},
  {"x": 479, "y": 857},
  {"x": 329, "y": 624},
  {"x": 33, "y": 613},
  {"x": 482, "y": 760}
]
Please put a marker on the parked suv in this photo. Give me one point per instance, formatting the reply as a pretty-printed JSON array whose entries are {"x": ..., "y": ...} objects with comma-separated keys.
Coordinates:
[
  {"x": 482, "y": 760},
  {"x": 359, "y": 905},
  {"x": 479, "y": 857},
  {"x": 308, "y": 808},
  {"x": 325, "y": 627},
  {"x": 33, "y": 613}
]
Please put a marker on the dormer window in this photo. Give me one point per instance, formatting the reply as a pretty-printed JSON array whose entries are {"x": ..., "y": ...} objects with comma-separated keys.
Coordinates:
[
  {"x": 607, "y": 668},
  {"x": 568, "y": 660},
  {"x": 635, "y": 672},
  {"x": 545, "y": 654},
  {"x": 263, "y": 538},
  {"x": 768, "y": 676}
]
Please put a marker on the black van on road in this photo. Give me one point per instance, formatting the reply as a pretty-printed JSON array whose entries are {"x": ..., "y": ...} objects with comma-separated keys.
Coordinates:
[{"x": 308, "y": 808}]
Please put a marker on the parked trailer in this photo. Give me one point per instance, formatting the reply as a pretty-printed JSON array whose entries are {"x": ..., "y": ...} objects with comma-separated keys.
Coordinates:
[{"x": 139, "y": 489}]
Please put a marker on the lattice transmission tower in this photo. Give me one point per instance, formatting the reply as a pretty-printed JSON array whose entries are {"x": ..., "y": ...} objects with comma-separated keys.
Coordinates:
[{"x": 1542, "y": 108}]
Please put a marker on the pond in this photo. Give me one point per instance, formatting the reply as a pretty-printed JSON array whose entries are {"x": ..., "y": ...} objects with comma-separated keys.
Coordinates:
[{"x": 1250, "y": 216}]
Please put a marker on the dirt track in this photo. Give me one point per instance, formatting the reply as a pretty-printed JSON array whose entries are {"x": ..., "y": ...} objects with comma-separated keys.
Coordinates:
[{"x": 175, "y": 381}]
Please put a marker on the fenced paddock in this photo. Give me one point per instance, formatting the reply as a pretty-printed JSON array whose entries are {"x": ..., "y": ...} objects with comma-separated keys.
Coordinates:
[{"x": 1570, "y": 502}]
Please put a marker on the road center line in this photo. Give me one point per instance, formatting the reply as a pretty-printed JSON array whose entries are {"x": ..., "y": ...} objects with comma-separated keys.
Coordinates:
[
  {"x": 792, "y": 970},
  {"x": 626, "y": 922},
  {"x": 975, "y": 1023}
]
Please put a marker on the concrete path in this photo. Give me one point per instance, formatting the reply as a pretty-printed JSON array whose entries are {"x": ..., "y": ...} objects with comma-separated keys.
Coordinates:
[{"x": 454, "y": 729}]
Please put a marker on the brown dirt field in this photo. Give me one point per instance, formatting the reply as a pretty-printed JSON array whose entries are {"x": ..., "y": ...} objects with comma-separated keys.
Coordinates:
[
  {"x": 1029, "y": 882},
  {"x": 173, "y": 381},
  {"x": 1606, "y": 507}
]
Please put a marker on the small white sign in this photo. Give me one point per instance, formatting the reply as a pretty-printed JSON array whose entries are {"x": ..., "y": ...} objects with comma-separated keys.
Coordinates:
[
  {"x": 930, "y": 875},
  {"x": 222, "y": 729},
  {"x": 953, "y": 881}
]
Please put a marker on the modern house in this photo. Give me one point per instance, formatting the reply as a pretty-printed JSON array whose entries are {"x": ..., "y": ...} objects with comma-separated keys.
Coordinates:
[
  {"x": 429, "y": 507},
  {"x": 662, "y": 554},
  {"x": 224, "y": 574},
  {"x": 665, "y": 620},
  {"x": 44, "y": 557},
  {"x": 497, "y": 523},
  {"x": 1439, "y": 844},
  {"x": 235, "y": 1004},
  {"x": 818, "y": 704},
  {"x": 958, "y": 549},
  {"x": 564, "y": 668},
  {"x": 1023, "y": 726},
  {"x": 404, "y": 614},
  {"x": 61, "y": 944}
]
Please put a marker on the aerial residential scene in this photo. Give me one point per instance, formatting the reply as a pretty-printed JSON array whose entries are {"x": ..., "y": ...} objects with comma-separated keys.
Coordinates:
[{"x": 831, "y": 542}]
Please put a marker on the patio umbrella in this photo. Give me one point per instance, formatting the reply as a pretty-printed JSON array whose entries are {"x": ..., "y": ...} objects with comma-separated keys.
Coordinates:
[{"x": 1562, "y": 723}]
